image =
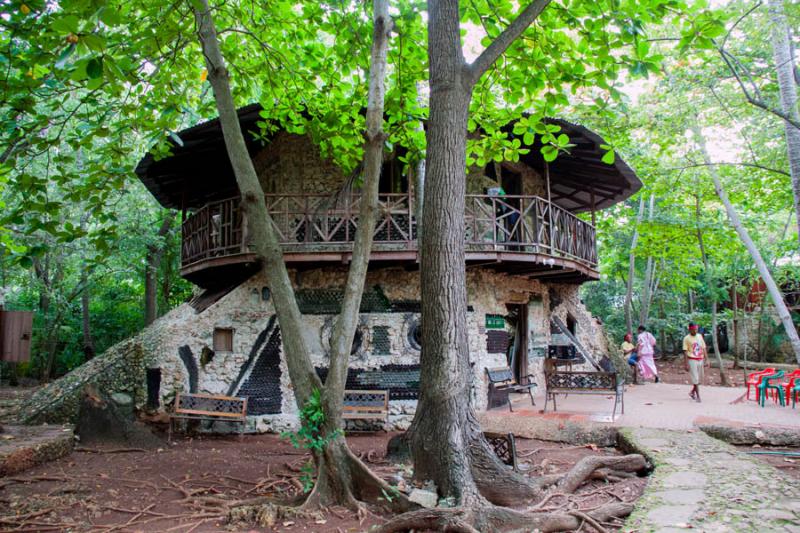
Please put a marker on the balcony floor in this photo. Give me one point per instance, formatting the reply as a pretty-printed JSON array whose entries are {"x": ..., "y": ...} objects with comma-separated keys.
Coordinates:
[{"x": 209, "y": 272}]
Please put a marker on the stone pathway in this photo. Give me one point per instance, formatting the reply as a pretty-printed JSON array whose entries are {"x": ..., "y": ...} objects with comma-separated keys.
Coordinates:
[{"x": 703, "y": 484}]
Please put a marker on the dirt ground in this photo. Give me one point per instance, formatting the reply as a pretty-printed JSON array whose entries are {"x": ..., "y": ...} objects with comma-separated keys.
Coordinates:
[
  {"x": 153, "y": 491},
  {"x": 777, "y": 457},
  {"x": 672, "y": 371}
]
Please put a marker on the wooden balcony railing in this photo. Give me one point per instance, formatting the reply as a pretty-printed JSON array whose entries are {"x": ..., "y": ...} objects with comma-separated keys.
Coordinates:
[{"x": 316, "y": 223}]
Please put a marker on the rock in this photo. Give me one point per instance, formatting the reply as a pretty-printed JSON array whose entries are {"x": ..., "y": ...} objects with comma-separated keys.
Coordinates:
[
  {"x": 101, "y": 420},
  {"x": 121, "y": 399},
  {"x": 425, "y": 498}
]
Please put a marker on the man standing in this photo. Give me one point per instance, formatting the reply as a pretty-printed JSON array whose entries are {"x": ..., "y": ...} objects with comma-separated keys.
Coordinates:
[{"x": 694, "y": 358}]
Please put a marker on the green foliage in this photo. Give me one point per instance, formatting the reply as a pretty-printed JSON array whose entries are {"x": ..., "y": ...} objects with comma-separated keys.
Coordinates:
[{"x": 311, "y": 435}]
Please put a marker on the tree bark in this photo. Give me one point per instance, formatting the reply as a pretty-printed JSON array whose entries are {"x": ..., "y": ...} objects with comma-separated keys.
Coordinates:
[
  {"x": 632, "y": 268},
  {"x": 342, "y": 478},
  {"x": 340, "y": 483},
  {"x": 712, "y": 289},
  {"x": 647, "y": 288},
  {"x": 446, "y": 441},
  {"x": 88, "y": 341},
  {"x": 155, "y": 252},
  {"x": 784, "y": 65},
  {"x": 264, "y": 238},
  {"x": 766, "y": 276},
  {"x": 438, "y": 435}
]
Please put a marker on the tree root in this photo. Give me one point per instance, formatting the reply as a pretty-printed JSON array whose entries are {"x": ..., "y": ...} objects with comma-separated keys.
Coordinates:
[
  {"x": 268, "y": 514},
  {"x": 486, "y": 518}
]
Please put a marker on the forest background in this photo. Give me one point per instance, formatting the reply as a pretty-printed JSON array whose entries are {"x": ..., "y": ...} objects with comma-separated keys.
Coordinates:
[{"x": 85, "y": 245}]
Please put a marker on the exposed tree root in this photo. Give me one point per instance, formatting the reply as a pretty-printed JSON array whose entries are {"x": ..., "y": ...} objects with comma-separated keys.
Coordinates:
[
  {"x": 501, "y": 486},
  {"x": 487, "y": 518}
]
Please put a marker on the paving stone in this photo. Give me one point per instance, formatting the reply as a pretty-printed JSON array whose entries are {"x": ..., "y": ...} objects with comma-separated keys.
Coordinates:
[
  {"x": 671, "y": 515},
  {"x": 776, "y": 514},
  {"x": 685, "y": 479},
  {"x": 709, "y": 486},
  {"x": 678, "y": 461},
  {"x": 656, "y": 443},
  {"x": 680, "y": 496}
]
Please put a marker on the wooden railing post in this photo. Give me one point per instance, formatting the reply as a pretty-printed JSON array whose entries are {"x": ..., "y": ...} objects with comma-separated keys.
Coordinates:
[{"x": 203, "y": 237}]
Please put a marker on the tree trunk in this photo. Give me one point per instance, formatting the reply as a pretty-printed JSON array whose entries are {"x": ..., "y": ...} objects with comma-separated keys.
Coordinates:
[
  {"x": 438, "y": 435},
  {"x": 735, "y": 322},
  {"x": 632, "y": 268},
  {"x": 446, "y": 441},
  {"x": 264, "y": 238},
  {"x": 712, "y": 291},
  {"x": 155, "y": 252},
  {"x": 647, "y": 289},
  {"x": 784, "y": 64},
  {"x": 766, "y": 276},
  {"x": 88, "y": 341},
  {"x": 342, "y": 477},
  {"x": 337, "y": 485}
]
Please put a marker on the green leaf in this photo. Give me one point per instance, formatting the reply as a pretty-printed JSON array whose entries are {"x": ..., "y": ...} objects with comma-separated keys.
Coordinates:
[
  {"x": 64, "y": 55},
  {"x": 94, "y": 68},
  {"x": 109, "y": 16},
  {"x": 608, "y": 157},
  {"x": 66, "y": 25},
  {"x": 550, "y": 153}
]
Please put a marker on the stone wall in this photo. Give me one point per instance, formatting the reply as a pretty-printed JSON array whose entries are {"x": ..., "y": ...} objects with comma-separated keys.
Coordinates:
[
  {"x": 291, "y": 163},
  {"x": 181, "y": 344},
  {"x": 247, "y": 313},
  {"x": 120, "y": 369}
]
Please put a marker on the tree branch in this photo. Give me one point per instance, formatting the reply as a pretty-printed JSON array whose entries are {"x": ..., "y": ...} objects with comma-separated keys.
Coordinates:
[
  {"x": 751, "y": 165},
  {"x": 503, "y": 41}
]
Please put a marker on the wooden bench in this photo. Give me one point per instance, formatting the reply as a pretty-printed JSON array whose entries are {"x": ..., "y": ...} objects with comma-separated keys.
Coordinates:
[
  {"x": 501, "y": 382},
  {"x": 366, "y": 405},
  {"x": 209, "y": 407},
  {"x": 505, "y": 447},
  {"x": 603, "y": 383}
]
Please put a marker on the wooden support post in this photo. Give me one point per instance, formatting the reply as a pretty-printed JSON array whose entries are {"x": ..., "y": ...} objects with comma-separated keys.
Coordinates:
[
  {"x": 591, "y": 191},
  {"x": 549, "y": 208}
]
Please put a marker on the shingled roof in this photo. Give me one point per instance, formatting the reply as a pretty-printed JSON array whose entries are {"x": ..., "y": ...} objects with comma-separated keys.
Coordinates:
[{"x": 200, "y": 170}]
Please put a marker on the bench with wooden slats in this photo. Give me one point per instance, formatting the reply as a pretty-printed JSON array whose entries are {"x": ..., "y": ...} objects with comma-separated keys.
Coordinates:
[
  {"x": 502, "y": 381},
  {"x": 366, "y": 405},
  {"x": 209, "y": 407}
]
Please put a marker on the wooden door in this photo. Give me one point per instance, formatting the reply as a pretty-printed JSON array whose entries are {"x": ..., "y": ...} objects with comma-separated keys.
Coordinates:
[{"x": 16, "y": 329}]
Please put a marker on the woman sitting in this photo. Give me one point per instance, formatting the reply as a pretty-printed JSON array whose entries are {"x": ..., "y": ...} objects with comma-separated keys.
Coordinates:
[{"x": 629, "y": 353}]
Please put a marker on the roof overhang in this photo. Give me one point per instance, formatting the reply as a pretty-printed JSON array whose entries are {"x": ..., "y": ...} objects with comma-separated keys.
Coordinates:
[{"x": 200, "y": 170}]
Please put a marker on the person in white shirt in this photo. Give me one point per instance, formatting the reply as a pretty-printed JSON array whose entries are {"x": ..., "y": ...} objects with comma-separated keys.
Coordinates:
[{"x": 645, "y": 350}]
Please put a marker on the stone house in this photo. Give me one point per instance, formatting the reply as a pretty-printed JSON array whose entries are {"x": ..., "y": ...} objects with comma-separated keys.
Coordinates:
[{"x": 527, "y": 254}]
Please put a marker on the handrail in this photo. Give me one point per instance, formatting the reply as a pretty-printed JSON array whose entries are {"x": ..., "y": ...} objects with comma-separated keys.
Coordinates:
[{"x": 320, "y": 223}]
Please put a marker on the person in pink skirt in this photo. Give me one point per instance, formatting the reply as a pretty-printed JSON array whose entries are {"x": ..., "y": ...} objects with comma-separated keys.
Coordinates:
[{"x": 645, "y": 349}]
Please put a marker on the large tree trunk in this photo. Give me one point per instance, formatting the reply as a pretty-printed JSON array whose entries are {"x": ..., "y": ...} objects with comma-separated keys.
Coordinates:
[
  {"x": 155, "y": 253},
  {"x": 438, "y": 435},
  {"x": 712, "y": 289},
  {"x": 784, "y": 64},
  {"x": 446, "y": 440},
  {"x": 632, "y": 268},
  {"x": 766, "y": 276}
]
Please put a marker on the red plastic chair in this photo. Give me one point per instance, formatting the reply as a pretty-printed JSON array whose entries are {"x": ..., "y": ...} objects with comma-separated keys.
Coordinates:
[
  {"x": 754, "y": 379},
  {"x": 793, "y": 378}
]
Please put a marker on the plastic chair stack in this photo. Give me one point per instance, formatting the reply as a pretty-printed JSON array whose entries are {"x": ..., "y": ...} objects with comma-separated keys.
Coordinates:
[
  {"x": 754, "y": 380},
  {"x": 770, "y": 382},
  {"x": 793, "y": 378}
]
